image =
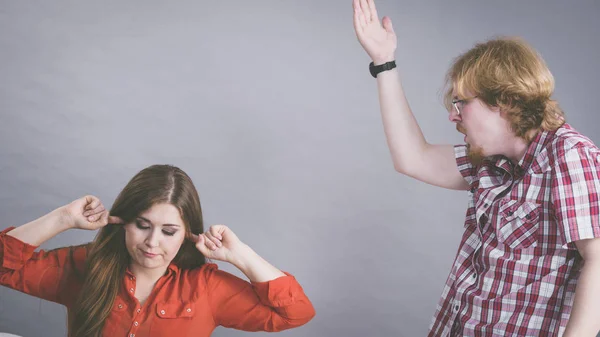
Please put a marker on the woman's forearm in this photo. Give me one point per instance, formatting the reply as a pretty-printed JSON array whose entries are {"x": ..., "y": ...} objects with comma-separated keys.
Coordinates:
[
  {"x": 42, "y": 229},
  {"x": 253, "y": 266}
]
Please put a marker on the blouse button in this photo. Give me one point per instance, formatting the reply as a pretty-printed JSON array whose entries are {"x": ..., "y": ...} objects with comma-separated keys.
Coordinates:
[
  {"x": 162, "y": 312},
  {"x": 189, "y": 310}
]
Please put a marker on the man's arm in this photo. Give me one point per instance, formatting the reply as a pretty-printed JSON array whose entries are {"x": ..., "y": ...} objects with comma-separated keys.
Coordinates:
[
  {"x": 585, "y": 317},
  {"x": 411, "y": 154}
]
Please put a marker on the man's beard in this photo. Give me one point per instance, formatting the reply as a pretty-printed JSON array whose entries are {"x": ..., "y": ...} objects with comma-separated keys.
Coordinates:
[{"x": 475, "y": 154}]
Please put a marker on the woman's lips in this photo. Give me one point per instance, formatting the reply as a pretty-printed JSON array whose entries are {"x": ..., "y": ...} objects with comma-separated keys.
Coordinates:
[{"x": 149, "y": 254}]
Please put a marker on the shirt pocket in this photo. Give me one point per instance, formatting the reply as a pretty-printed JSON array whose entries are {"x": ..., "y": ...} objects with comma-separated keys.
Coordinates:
[
  {"x": 117, "y": 320},
  {"x": 518, "y": 223},
  {"x": 174, "y": 310},
  {"x": 170, "y": 314}
]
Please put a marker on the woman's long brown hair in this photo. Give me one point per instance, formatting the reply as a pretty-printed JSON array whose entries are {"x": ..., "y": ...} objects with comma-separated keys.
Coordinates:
[{"x": 107, "y": 258}]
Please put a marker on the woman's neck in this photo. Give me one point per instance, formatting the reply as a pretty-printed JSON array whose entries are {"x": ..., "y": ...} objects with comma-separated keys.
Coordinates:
[{"x": 147, "y": 275}]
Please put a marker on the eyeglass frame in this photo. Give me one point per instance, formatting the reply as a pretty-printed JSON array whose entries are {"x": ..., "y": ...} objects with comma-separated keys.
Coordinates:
[{"x": 463, "y": 101}]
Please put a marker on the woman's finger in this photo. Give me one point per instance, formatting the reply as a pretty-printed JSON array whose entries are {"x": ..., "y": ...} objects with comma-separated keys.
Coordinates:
[
  {"x": 93, "y": 218},
  {"x": 216, "y": 231},
  {"x": 216, "y": 243},
  {"x": 201, "y": 244},
  {"x": 115, "y": 220},
  {"x": 94, "y": 211},
  {"x": 195, "y": 238},
  {"x": 91, "y": 202}
]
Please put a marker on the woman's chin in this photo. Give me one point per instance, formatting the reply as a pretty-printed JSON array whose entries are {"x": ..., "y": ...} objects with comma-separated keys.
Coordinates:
[{"x": 149, "y": 263}]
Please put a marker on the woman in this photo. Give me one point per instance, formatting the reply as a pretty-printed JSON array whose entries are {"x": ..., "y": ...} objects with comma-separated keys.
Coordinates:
[{"x": 145, "y": 272}]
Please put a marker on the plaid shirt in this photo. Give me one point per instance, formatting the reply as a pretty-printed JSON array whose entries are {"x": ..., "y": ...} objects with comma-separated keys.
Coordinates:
[{"x": 517, "y": 265}]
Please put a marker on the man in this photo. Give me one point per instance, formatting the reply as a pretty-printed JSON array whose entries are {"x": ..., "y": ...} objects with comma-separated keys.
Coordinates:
[{"x": 529, "y": 259}]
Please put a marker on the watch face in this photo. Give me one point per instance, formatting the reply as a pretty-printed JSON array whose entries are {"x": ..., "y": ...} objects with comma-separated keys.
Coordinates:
[
  {"x": 373, "y": 72},
  {"x": 372, "y": 69}
]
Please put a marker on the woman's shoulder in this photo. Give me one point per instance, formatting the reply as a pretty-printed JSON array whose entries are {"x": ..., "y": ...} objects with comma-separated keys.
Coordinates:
[
  {"x": 73, "y": 257},
  {"x": 202, "y": 275},
  {"x": 202, "y": 271},
  {"x": 195, "y": 279}
]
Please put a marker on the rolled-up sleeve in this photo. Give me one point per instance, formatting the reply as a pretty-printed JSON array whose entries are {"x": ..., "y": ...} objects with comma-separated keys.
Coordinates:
[
  {"x": 275, "y": 305},
  {"x": 575, "y": 193},
  {"x": 41, "y": 274}
]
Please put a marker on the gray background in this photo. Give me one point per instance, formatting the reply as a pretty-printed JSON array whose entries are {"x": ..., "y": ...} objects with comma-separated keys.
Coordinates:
[{"x": 269, "y": 106}]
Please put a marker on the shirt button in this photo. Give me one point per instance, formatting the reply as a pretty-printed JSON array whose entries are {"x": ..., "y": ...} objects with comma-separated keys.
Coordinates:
[
  {"x": 472, "y": 189},
  {"x": 456, "y": 307},
  {"x": 131, "y": 335},
  {"x": 485, "y": 205},
  {"x": 188, "y": 310},
  {"x": 483, "y": 219},
  {"x": 138, "y": 311},
  {"x": 131, "y": 290},
  {"x": 162, "y": 312},
  {"x": 120, "y": 306},
  {"x": 135, "y": 323},
  {"x": 456, "y": 327}
]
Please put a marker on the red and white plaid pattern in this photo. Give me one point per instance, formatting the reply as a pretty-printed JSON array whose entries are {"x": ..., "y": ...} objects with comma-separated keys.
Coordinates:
[{"x": 517, "y": 265}]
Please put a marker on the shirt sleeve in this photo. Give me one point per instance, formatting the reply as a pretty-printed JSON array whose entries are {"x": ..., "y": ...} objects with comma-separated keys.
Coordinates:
[
  {"x": 41, "y": 274},
  {"x": 575, "y": 192},
  {"x": 271, "y": 306},
  {"x": 465, "y": 167}
]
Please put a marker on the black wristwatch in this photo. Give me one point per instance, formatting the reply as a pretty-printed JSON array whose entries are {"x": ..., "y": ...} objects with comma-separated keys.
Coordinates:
[{"x": 382, "y": 67}]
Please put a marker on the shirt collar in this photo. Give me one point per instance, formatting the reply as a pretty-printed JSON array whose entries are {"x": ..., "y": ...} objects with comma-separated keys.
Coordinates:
[
  {"x": 172, "y": 269},
  {"x": 534, "y": 148}
]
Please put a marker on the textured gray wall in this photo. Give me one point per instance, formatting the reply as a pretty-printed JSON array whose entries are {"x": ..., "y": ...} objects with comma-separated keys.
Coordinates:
[{"x": 269, "y": 106}]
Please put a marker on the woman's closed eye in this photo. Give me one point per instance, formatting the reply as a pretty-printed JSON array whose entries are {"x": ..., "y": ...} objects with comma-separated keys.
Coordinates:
[{"x": 139, "y": 224}]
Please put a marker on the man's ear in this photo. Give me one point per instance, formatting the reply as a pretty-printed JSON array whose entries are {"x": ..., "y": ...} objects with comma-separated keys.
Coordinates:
[{"x": 497, "y": 109}]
